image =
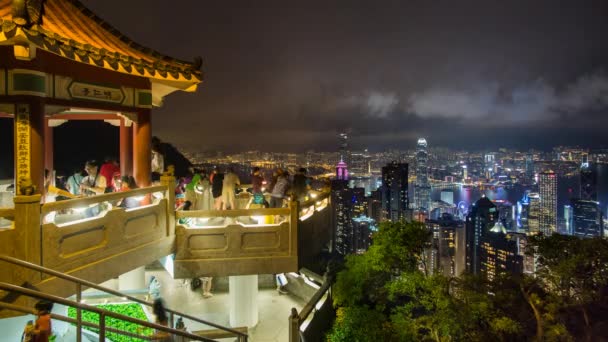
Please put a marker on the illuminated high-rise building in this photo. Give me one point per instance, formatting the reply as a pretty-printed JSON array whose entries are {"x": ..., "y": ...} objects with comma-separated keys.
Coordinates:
[
  {"x": 568, "y": 218},
  {"x": 341, "y": 171},
  {"x": 344, "y": 152},
  {"x": 481, "y": 218},
  {"x": 360, "y": 165},
  {"x": 529, "y": 167},
  {"x": 422, "y": 191},
  {"x": 588, "y": 173},
  {"x": 587, "y": 219},
  {"x": 447, "y": 252},
  {"x": 499, "y": 254},
  {"x": 347, "y": 205},
  {"x": 394, "y": 191},
  {"x": 547, "y": 186},
  {"x": 533, "y": 213}
]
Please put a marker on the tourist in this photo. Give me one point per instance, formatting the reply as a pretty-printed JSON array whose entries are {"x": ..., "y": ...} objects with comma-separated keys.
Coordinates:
[
  {"x": 301, "y": 185},
  {"x": 154, "y": 288},
  {"x": 204, "y": 197},
  {"x": 128, "y": 183},
  {"x": 231, "y": 180},
  {"x": 93, "y": 183},
  {"x": 281, "y": 282},
  {"x": 186, "y": 221},
  {"x": 43, "y": 327},
  {"x": 73, "y": 182},
  {"x": 257, "y": 181},
  {"x": 279, "y": 190},
  {"x": 207, "y": 284},
  {"x": 108, "y": 169},
  {"x": 217, "y": 183},
  {"x": 161, "y": 318},
  {"x": 190, "y": 192},
  {"x": 158, "y": 161}
]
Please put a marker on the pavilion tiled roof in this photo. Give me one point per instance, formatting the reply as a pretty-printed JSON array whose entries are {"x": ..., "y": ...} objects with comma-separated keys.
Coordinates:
[{"x": 69, "y": 29}]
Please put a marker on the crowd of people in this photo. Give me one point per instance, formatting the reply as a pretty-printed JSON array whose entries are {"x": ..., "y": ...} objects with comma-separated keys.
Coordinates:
[{"x": 217, "y": 190}]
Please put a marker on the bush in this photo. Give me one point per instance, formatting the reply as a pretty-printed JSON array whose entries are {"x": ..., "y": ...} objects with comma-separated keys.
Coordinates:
[{"x": 132, "y": 310}]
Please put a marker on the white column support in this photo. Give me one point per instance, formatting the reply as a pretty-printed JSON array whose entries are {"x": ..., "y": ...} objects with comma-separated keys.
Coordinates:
[
  {"x": 132, "y": 280},
  {"x": 243, "y": 300}
]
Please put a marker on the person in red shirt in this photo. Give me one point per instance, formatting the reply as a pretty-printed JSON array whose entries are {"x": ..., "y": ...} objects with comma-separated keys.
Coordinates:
[
  {"x": 108, "y": 169},
  {"x": 43, "y": 329}
]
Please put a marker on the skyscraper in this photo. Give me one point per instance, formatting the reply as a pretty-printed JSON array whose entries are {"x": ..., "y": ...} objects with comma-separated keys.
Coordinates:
[
  {"x": 447, "y": 253},
  {"x": 422, "y": 189},
  {"x": 482, "y": 217},
  {"x": 529, "y": 167},
  {"x": 499, "y": 254},
  {"x": 587, "y": 219},
  {"x": 344, "y": 152},
  {"x": 341, "y": 171},
  {"x": 547, "y": 185},
  {"x": 394, "y": 191},
  {"x": 588, "y": 174},
  {"x": 534, "y": 213}
]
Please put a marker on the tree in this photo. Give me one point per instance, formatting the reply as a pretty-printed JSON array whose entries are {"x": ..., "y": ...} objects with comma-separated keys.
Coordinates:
[{"x": 574, "y": 271}]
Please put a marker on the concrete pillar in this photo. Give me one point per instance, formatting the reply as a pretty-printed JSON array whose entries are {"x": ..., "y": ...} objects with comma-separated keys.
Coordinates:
[
  {"x": 132, "y": 280},
  {"x": 142, "y": 148},
  {"x": 243, "y": 294},
  {"x": 126, "y": 148}
]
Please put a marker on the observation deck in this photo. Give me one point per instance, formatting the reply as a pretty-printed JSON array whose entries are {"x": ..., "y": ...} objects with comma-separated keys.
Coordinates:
[{"x": 60, "y": 236}]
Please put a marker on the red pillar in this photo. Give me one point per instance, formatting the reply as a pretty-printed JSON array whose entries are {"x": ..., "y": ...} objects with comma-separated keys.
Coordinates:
[
  {"x": 142, "y": 148},
  {"x": 126, "y": 149},
  {"x": 48, "y": 145}
]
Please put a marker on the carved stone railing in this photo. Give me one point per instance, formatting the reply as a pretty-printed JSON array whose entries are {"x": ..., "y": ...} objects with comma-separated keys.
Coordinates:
[
  {"x": 315, "y": 231},
  {"x": 7, "y": 217},
  {"x": 112, "y": 242},
  {"x": 237, "y": 244}
]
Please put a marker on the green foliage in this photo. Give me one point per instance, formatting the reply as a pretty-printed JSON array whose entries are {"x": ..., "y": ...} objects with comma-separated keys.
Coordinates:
[
  {"x": 386, "y": 294},
  {"x": 359, "y": 324},
  {"x": 574, "y": 270},
  {"x": 132, "y": 310}
]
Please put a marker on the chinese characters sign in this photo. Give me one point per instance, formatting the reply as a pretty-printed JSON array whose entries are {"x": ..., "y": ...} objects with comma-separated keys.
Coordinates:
[
  {"x": 22, "y": 143},
  {"x": 95, "y": 92}
]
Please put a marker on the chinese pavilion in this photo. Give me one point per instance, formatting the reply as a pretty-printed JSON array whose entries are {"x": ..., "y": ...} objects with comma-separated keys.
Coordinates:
[{"x": 58, "y": 62}]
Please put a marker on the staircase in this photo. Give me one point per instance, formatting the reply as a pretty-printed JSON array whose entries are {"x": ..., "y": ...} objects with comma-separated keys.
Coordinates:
[{"x": 27, "y": 295}]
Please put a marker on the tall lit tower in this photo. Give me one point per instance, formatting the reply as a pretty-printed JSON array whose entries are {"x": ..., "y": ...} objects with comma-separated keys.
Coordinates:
[
  {"x": 341, "y": 171},
  {"x": 423, "y": 190},
  {"x": 344, "y": 153},
  {"x": 394, "y": 191},
  {"x": 547, "y": 185}
]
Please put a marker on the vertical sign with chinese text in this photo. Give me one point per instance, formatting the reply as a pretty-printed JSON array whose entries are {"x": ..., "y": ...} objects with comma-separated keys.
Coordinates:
[{"x": 22, "y": 145}]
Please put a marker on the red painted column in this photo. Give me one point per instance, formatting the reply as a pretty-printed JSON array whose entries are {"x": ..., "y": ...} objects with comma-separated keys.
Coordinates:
[
  {"x": 142, "y": 148},
  {"x": 126, "y": 149},
  {"x": 48, "y": 145}
]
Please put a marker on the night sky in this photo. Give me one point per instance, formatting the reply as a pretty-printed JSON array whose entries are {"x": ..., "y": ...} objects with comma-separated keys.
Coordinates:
[{"x": 288, "y": 76}]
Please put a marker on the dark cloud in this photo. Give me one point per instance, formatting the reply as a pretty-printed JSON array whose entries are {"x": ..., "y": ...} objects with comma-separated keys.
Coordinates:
[{"x": 289, "y": 76}]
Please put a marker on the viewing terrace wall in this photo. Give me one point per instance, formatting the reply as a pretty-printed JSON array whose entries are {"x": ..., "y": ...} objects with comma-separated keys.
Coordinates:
[{"x": 98, "y": 247}]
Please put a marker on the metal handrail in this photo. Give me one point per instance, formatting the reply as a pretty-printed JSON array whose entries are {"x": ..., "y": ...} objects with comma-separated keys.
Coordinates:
[
  {"x": 86, "y": 283},
  {"x": 307, "y": 309},
  {"x": 102, "y": 313},
  {"x": 31, "y": 311}
]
